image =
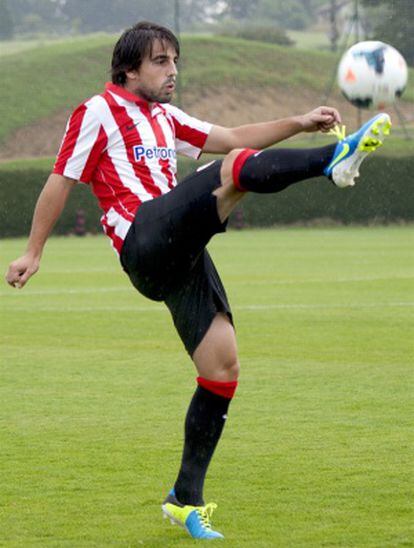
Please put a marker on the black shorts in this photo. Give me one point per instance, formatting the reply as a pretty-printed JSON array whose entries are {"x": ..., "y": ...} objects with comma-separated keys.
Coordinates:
[{"x": 165, "y": 258}]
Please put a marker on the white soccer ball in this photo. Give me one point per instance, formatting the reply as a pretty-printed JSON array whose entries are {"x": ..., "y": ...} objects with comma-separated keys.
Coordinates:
[{"x": 372, "y": 74}]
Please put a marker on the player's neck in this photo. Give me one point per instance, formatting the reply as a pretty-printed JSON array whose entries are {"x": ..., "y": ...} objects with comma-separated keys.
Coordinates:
[{"x": 128, "y": 86}]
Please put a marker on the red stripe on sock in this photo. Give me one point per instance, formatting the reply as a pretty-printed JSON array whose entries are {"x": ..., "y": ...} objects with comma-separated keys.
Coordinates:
[
  {"x": 223, "y": 389},
  {"x": 238, "y": 165}
]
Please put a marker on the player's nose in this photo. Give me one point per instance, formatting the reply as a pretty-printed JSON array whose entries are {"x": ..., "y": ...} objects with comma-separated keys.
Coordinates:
[{"x": 172, "y": 69}]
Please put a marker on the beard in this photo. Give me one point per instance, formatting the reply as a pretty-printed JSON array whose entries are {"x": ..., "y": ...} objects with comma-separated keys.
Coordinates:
[{"x": 156, "y": 96}]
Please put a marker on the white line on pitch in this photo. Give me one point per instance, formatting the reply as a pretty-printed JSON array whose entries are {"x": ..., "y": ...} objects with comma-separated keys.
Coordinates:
[
  {"x": 310, "y": 306},
  {"x": 324, "y": 280},
  {"x": 91, "y": 290},
  {"x": 66, "y": 291},
  {"x": 253, "y": 307}
]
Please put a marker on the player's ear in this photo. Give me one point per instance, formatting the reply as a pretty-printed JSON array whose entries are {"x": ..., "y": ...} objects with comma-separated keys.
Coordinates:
[{"x": 131, "y": 74}]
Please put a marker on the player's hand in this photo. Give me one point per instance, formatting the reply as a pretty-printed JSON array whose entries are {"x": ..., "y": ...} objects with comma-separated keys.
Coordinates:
[
  {"x": 21, "y": 270},
  {"x": 320, "y": 119}
]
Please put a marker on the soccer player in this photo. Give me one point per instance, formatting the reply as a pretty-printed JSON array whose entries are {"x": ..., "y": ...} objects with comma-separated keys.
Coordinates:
[{"x": 124, "y": 144}]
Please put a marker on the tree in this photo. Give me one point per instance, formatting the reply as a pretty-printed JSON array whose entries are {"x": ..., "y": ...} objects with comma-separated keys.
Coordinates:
[
  {"x": 396, "y": 27},
  {"x": 198, "y": 11},
  {"x": 240, "y": 9},
  {"x": 289, "y": 14},
  {"x": 6, "y": 21},
  {"x": 115, "y": 15},
  {"x": 32, "y": 16}
]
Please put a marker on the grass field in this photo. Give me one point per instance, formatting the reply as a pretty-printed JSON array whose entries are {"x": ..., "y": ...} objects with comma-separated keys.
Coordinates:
[{"x": 318, "y": 447}]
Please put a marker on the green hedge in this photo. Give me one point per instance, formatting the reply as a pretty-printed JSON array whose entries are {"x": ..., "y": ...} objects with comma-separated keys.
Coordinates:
[
  {"x": 383, "y": 195},
  {"x": 258, "y": 33}
]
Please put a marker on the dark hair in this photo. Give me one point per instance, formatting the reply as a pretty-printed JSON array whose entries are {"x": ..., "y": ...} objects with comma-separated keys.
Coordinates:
[{"x": 135, "y": 44}]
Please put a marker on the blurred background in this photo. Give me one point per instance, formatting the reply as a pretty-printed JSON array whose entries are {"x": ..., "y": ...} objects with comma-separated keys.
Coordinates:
[
  {"x": 309, "y": 23},
  {"x": 242, "y": 61}
]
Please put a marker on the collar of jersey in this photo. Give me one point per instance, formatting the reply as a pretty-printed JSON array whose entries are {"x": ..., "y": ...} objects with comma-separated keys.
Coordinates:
[{"x": 122, "y": 92}]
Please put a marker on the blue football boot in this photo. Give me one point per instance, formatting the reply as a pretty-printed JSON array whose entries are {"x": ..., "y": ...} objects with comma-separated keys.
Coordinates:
[
  {"x": 196, "y": 520},
  {"x": 350, "y": 151}
]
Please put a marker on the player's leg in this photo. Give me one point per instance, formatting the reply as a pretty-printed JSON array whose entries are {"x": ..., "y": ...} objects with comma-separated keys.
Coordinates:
[
  {"x": 266, "y": 171},
  {"x": 170, "y": 233},
  {"x": 203, "y": 319},
  {"x": 273, "y": 170},
  {"x": 218, "y": 368},
  {"x": 216, "y": 356}
]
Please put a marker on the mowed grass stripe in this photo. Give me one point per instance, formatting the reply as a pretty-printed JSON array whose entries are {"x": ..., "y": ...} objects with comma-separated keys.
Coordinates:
[{"x": 318, "y": 445}]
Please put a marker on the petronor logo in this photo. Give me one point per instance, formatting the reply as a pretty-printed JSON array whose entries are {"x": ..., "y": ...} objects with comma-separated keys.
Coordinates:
[{"x": 150, "y": 153}]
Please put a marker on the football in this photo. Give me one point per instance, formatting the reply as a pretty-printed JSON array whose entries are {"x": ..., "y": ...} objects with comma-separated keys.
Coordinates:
[{"x": 372, "y": 74}]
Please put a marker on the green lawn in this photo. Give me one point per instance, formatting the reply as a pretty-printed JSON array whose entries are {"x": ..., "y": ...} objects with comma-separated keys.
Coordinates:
[
  {"x": 305, "y": 39},
  {"x": 318, "y": 447},
  {"x": 10, "y": 47}
]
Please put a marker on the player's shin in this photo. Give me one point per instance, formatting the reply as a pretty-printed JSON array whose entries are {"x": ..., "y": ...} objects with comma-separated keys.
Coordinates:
[
  {"x": 273, "y": 170},
  {"x": 203, "y": 427}
]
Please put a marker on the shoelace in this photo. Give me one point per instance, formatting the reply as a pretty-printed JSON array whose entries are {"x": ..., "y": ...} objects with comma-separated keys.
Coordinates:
[
  {"x": 339, "y": 131},
  {"x": 205, "y": 513}
]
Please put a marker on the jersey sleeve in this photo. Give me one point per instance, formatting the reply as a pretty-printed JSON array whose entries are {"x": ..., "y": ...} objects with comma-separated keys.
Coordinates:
[
  {"x": 190, "y": 133},
  {"x": 82, "y": 145}
]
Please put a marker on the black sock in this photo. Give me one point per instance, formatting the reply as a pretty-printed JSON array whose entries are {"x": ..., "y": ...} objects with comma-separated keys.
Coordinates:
[
  {"x": 203, "y": 426},
  {"x": 273, "y": 170}
]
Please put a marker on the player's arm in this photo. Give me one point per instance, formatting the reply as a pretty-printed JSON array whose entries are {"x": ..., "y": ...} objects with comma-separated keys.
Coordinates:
[
  {"x": 265, "y": 134},
  {"x": 49, "y": 206}
]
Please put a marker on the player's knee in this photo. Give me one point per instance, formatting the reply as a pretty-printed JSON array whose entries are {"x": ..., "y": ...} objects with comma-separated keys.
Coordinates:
[
  {"x": 228, "y": 165},
  {"x": 230, "y": 369},
  {"x": 233, "y": 165},
  {"x": 235, "y": 370}
]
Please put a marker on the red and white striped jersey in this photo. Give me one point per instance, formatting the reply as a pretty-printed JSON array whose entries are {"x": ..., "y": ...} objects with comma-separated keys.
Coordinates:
[{"x": 127, "y": 152}]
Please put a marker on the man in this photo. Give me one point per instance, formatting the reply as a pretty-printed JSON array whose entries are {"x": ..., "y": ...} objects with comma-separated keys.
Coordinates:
[{"x": 124, "y": 143}]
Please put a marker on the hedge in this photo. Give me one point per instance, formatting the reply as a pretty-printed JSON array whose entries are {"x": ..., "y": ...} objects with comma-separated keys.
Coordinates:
[
  {"x": 385, "y": 194},
  {"x": 258, "y": 33}
]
